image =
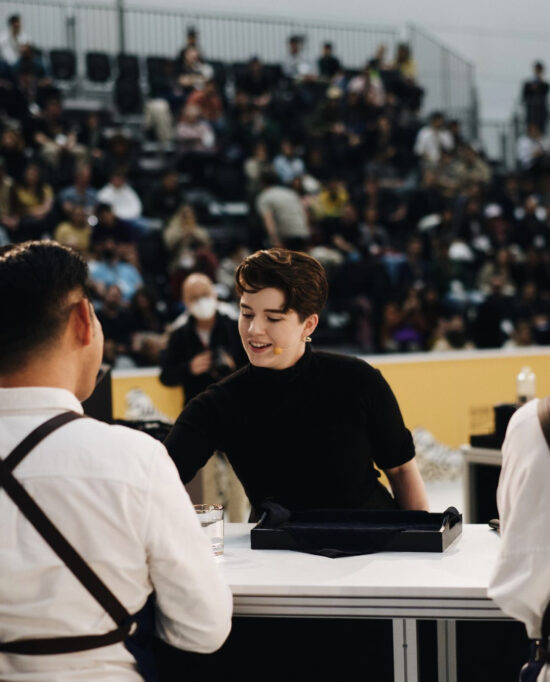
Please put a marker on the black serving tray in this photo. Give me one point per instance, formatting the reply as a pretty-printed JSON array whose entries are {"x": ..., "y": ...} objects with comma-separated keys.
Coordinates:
[{"x": 389, "y": 531}]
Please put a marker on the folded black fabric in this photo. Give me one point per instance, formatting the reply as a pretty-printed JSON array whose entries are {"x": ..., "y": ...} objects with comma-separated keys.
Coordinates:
[{"x": 337, "y": 533}]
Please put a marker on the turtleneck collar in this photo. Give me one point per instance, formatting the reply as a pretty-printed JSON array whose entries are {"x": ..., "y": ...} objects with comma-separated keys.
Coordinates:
[{"x": 286, "y": 375}]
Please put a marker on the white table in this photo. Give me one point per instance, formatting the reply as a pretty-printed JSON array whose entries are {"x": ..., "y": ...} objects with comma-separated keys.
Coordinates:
[{"x": 405, "y": 587}]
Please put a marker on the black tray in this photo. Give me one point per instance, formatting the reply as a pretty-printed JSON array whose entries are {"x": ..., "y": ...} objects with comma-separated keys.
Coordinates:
[{"x": 391, "y": 531}]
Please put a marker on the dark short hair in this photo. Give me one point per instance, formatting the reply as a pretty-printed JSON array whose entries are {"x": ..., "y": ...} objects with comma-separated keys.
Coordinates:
[
  {"x": 36, "y": 278},
  {"x": 301, "y": 278},
  {"x": 13, "y": 19}
]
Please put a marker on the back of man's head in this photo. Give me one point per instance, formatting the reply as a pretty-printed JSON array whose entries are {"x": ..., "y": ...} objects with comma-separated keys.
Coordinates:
[{"x": 36, "y": 280}]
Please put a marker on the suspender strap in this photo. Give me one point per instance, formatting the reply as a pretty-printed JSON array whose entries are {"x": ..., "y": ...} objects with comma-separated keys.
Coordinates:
[
  {"x": 543, "y": 410},
  {"x": 64, "y": 550}
]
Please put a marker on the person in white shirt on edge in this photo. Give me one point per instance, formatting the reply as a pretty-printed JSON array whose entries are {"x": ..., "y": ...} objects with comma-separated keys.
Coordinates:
[
  {"x": 520, "y": 583},
  {"x": 117, "y": 193},
  {"x": 113, "y": 492},
  {"x": 432, "y": 139},
  {"x": 13, "y": 41}
]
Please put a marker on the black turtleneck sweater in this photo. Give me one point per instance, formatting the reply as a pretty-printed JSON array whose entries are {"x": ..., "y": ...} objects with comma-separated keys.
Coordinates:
[{"x": 305, "y": 436}]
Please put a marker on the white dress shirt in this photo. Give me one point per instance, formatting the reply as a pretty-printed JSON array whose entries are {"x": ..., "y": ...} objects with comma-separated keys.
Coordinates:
[
  {"x": 430, "y": 143},
  {"x": 10, "y": 46},
  {"x": 520, "y": 583},
  {"x": 123, "y": 200},
  {"x": 115, "y": 494}
]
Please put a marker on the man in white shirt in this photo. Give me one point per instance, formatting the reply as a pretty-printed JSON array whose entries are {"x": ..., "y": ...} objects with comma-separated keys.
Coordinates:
[
  {"x": 113, "y": 492},
  {"x": 433, "y": 139},
  {"x": 12, "y": 42},
  {"x": 520, "y": 583},
  {"x": 117, "y": 193}
]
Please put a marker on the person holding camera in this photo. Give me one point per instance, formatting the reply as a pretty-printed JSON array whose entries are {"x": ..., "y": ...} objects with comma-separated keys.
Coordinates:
[{"x": 206, "y": 347}]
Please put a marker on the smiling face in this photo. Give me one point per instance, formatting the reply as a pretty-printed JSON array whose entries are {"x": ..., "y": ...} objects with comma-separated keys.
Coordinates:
[{"x": 272, "y": 338}]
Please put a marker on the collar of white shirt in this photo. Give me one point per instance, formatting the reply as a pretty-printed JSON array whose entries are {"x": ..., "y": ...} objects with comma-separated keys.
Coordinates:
[{"x": 37, "y": 399}]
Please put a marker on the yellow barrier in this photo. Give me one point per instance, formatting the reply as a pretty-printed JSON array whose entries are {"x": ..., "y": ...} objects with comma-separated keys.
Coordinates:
[{"x": 450, "y": 394}]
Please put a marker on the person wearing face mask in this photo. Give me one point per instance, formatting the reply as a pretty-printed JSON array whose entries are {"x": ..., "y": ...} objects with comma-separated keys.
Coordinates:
[
  {"x": 302, "y": 428},
  {"x": 206, "y": 348}
]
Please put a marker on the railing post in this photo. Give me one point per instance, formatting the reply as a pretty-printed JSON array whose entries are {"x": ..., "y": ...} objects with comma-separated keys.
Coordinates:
[
  {"x": 121, "y": 30},
  {"x": 70, "y": 28}
]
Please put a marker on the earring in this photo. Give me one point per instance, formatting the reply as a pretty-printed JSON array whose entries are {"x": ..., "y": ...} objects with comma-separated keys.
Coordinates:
[{"x": 308, "y": 339}]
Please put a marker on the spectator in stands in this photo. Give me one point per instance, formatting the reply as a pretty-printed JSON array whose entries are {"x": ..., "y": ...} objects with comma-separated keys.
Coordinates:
[
  {"x": 210, "y": 104},
  {"x": 256, "y": 83},
  {"x": 54, "y": 136},
  {"x": 12, "y": 150},
  {"x": 165, "y": 197},
  {"x": 328, "y": 65},
  {"x": 183, "y": 237},
  {"x": 89, "y": 135},
  {"x": 192, "y": 42},
  {"x": 330, "y": 203},
  {"x": 192, "y": 73},
  {"x": 533, "y": 150},
  {"x": 117, "y": 326},
  {"x": 369, "y": 85},
  {"x": 121, "y": 151},
  {"x": 149, "y": 337},
  {"x": 407, "y": 88},
  {"x": 81, "y": 193},
  {"x": 30, "y": 62},
  {"x": 432, "y": 139},
  {"x": 75, "y": 232},
  {"x": 33, "y": 203},
  {"x": 287, "y": 164},
  {"x": 204, "y": 349},
  {"x": 282, "y": 213},
  {"x": 12, "y": 42},
  {"x": 296, "y": 66},
  {"x": 123, "y": 200},
  {"x": 374, "y": 239},
  {"x": 109, "y": 227},
  {"x": 193, "y": 133},
  {"x": 254, "y": 166},
  {"x": 535, "y": 96},
  {"x": 8, "y": 219},
  {"x": 108, "y": 269}
]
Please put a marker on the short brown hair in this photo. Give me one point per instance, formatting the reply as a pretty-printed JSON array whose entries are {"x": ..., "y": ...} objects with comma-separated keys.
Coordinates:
[{"x": 300, "y": 277}]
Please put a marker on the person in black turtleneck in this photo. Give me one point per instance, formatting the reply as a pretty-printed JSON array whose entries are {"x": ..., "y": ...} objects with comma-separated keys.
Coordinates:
[{"x": 300, "y": 427}]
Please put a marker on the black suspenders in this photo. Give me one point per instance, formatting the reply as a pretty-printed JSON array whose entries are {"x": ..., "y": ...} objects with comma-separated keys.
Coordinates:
[{"x": 126, "y": 625}]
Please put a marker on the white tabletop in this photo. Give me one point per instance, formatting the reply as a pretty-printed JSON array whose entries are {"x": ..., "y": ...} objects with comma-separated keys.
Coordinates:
[{"x": 451, "y": 584}]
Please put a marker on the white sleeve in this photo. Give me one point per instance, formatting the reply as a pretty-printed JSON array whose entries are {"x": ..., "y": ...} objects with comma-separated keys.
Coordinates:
[
  {"x": 194, "y": 603},
  {"x": 520, "y": 583},
  {"x": 420, "y": 142}
]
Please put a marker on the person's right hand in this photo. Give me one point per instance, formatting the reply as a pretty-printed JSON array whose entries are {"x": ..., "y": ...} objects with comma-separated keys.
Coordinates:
[{"x": 201, "y": 363}]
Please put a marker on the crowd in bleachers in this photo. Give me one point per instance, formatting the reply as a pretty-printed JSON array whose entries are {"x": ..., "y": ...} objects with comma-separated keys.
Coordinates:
[{"x": 187, "y": 165}]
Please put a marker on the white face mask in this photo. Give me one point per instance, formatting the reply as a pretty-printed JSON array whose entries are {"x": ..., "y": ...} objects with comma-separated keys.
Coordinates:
[{"x": 204, "y": 308}]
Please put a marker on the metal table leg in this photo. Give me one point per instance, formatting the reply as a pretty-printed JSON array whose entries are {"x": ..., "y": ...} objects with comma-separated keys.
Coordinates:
[
  {"x": 446, "y": 651},
  {"x": 405, "y": 650}
]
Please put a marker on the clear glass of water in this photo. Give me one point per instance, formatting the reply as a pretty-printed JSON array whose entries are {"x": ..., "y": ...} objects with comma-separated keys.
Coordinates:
[{"x": 211, "y": 520}]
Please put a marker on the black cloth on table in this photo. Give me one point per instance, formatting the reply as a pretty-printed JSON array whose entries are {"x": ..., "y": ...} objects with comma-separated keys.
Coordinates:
[{"x": 304, "y": 437}]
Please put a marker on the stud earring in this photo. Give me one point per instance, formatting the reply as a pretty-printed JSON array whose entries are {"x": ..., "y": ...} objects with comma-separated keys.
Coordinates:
[{"x": 308, "y": 339}]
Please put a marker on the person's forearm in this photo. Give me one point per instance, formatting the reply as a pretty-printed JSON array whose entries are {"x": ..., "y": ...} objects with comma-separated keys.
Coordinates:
[{"x": 408, "y": 487}]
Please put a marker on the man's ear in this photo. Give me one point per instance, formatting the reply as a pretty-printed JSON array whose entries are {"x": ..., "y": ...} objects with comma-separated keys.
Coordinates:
[{"x": 81, "y": 315}]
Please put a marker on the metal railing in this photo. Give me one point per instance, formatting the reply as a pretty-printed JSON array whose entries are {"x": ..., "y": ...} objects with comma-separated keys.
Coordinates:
[{"x": 447, "y": 78}]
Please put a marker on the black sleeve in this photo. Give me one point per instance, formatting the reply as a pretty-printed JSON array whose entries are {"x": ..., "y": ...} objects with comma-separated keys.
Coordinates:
[
  {"x": 197, "y": 433},
  {"x": 392, "y": 441},
  {"x": 174, "y": 362}
]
